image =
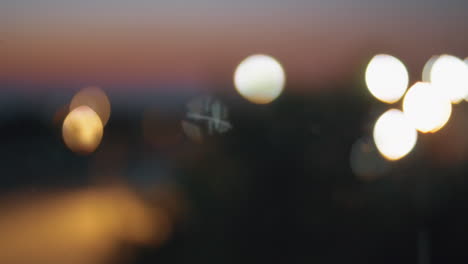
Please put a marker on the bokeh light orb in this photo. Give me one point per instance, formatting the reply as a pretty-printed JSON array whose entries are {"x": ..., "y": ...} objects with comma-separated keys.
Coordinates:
[
  {"x": 466, "y": 62},
  {"x": 260, "y": 79},
  {"x": 206, "y": 116},
  {"x": 386, "y": 78},
  {"x": 427, "y": 108},
  {"x": 96, "y": 99},
  {"x": 394, "y": 136},
  {"x": 450, "y": 74},
  {"x": 82, "y": 130},
  {"x": 426, "y": 73}
]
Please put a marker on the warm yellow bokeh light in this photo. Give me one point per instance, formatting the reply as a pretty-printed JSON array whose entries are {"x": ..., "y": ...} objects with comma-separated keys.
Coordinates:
[
  {"x": 260, "y": 79},
  {"x": 386, "y": 78},
  {"x": 426, "y": 73},
  {"x": 394, "y": 135},
  {"x": 80, "y": 227},
  {"x": 426, "y": 107},
  {"x": 450, "y": 75},
  {"x": 82, "y": 130},
  {"x": 96, "y": 99}
]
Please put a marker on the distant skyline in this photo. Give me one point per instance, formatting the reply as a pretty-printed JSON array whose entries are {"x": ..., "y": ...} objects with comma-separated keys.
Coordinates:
[{"x": 142, "y": 41}]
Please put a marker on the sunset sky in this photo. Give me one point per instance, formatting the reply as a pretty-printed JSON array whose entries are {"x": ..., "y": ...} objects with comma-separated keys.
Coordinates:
[{"x": 144, "y": 42}]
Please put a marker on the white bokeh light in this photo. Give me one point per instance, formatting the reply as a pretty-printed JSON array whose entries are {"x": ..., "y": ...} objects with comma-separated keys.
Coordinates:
[
  {"x": 260, "y": 79},
  {"x": 386, "y": 78},
  {"x": 426, "y": 73},
  {"x": 450, "y": 75},
  {"x": 426, "y": 107},
  {"x": 466, "y": 62},
  {"x": 393, "y": 134}
]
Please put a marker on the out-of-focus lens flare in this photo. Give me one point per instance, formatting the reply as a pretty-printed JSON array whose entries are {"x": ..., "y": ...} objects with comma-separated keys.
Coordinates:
[
  {"x": 82, "y": 227},
  {"x": 206, "y": 116},
  {"x": 450, "y": 74},
  {"x": 426, "y": 107},
  {"x": 366, "y": 163},
  {"x": 466, "y": 62},
  {"x": 259, "y": 79},
  {"x": 394, "y": 135},
  {"x": 386, "y": 78},
  {"x": 426, "y": 73},
  {"x": 96, "y": 99},
  {"x": 82, "y": 130}
]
